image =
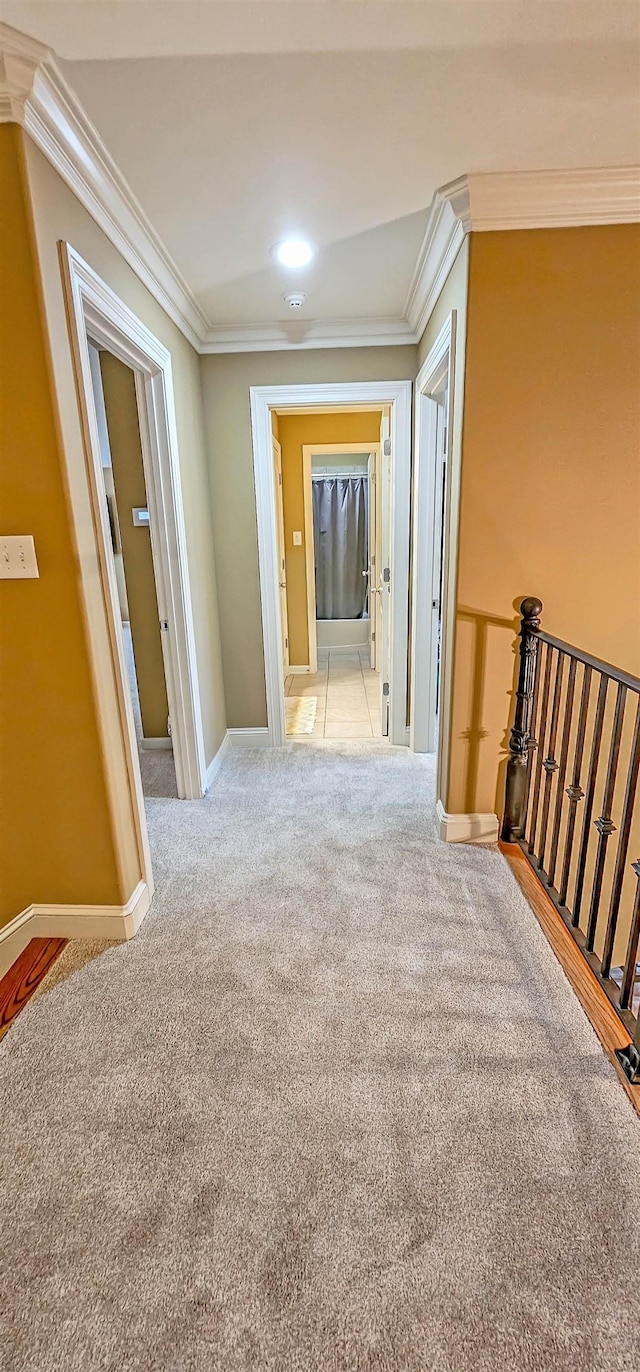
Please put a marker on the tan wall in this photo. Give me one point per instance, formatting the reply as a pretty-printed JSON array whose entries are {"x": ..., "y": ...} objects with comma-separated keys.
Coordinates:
[
  {"x": 119, "y": 388},
  {"x": 550, "y": 500},
  {"x": 56, "y": 832},
  {"x": 58, "y": 215},
  {"x": 226, "y": 380},
  {"x": 294, "y": 431}
]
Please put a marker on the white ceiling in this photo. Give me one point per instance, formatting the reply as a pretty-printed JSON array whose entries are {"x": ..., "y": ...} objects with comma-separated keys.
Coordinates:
[{"x": 236, "y": 123}]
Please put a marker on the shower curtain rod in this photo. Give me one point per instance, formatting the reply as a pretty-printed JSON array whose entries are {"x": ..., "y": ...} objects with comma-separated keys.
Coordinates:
[{"x": 320, "y": 476}]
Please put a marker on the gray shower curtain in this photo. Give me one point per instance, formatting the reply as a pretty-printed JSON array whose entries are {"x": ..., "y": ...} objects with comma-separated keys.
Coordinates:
[{"x": 340, "y": 531}]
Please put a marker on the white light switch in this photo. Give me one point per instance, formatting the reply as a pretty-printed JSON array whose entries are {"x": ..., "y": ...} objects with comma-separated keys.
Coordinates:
[
  {"x": 18, "y": 557},
  {"x": 297, "y": 538}
]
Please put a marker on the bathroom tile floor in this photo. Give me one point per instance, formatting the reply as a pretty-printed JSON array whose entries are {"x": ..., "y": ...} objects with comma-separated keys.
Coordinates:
[{"x": 348, "y": 694}]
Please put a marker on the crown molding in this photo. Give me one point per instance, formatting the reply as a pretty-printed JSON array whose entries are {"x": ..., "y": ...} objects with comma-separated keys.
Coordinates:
[
  {"x": 34, "y": 94},
  {"x": 553, "y": 199},
  {"x": 300, "y": 334},
  {"x": 484, "y": 202}
]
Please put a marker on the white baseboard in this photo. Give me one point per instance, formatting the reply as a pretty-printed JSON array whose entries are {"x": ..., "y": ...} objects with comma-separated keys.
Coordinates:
[
  {"x": 297, "y": 671},
  {"x": 156, "y": 743},
  {"x": 466, "y": 828},
  {"x": 216, "y": 763},
  {"x": 249, "y": 738},
  {"x": 113, "y": 922}
]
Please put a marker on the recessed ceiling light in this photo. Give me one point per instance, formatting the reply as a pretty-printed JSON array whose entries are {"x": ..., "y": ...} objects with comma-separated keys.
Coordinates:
[{"x": 293, "y": 252}]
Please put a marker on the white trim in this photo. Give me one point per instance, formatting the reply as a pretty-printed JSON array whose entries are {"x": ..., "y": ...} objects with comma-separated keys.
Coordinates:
[
  {"x": 304, "y": 334},
  {"x": 156, "y": 744},
  {"x": 95, "y": 311},
  {"x": 264, "y": 399},
  {"x": 446, "y": 228},
  {"x": 248, "y": 738},
  {"x": 111, "y": 922},
  {"x": 439, "y": 363},
  {"x": 572, "y": 198},
  {"x": 466, "y": 828},
  {"x": 299, "y": 671},
  {"x": 34, "y": 94},
  {"x": 216, "y": 763}
]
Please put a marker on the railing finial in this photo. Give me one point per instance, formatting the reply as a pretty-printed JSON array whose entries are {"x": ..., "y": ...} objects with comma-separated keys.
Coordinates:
[{"x": 517, "y": 766}]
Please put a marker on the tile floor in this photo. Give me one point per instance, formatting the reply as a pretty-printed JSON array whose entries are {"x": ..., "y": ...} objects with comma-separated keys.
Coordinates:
[{"x": 348, "y": 695}]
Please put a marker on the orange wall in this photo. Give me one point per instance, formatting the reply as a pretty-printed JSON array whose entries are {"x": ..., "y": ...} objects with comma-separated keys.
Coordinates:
[
  {"x": 55, "y": 825},
  {"x": 294, "y": 431},
  {"x": 550, "y": 495}
]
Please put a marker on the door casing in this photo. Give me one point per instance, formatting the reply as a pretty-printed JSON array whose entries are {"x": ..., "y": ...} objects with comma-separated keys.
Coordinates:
[{"x": 361, "y": 394}]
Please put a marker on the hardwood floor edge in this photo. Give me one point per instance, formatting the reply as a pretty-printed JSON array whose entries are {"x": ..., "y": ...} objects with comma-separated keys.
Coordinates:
[
  {"x": 24, "y": 977},
  {"x": 603, "y": 1019}
]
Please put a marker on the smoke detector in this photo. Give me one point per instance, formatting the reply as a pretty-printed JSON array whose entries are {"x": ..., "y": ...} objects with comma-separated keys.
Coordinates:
[{"x": 295, "y": 300}]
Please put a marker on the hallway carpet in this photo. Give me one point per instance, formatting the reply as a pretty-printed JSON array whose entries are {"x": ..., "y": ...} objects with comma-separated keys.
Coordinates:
[{"x": 335, "y": 1109}]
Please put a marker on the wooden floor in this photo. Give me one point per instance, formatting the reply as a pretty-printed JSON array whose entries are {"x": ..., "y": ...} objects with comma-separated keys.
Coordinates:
[
  {"x": 20, "y": 982},
  {"x": 599, "y": 1011}
]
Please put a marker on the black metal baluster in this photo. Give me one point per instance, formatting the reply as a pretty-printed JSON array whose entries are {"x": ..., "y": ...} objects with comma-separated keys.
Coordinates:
[
  {"x": 629, "y": 973},
  {"x": 550, "y": 765},
  {"x": 541, "y": 732},
  {"x": 629, "y": 1058},
  {"x": 588, "y": 804},
  {"x": 604, "y": 823},
  {"x": 623, "y": 845},
  {"x": 532, "y": 741},
  {"x": 574, "y": 791},
  {"x": 518, "y": 764},
  {"x": 562, "y": 771}
]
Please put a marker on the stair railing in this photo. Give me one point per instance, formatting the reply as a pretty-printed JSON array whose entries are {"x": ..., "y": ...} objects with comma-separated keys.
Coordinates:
[{"x": 574, "y": 753}]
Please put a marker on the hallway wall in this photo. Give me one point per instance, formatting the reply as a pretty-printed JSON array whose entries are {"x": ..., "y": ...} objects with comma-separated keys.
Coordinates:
[
  {"x": 55, "y": 828},
  {"x": 226, "y": 379},
  {"x": 58, "y": 215},
  {"x": 295, "y": 430},
  {"x": 550, "y": 499}
]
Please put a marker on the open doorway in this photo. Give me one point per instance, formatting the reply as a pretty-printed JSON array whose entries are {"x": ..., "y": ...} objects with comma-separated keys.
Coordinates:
[
  {"x": 332, "y": 486},
  {"x": 131, "y": 547},
  {"x": 431, "y": 507},
  {"x": 327, "y": 521}
]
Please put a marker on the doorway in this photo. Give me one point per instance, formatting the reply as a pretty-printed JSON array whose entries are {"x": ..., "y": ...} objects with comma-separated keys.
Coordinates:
[
  {"x": 385, "y": 466},
  {"x": 431, "y": 541},
  {"x": 132, "y": 541}
]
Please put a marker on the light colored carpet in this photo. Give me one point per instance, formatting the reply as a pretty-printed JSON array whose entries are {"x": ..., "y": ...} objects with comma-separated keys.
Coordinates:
[
  {"x": 300, "y": 714},
  {"x": 335, "y": 1109}
]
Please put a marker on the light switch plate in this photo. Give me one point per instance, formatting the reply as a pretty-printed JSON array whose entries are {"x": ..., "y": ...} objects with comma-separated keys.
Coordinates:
[
  {"x": 18, "y": 557},
  {"x": 297, "y": 538}
]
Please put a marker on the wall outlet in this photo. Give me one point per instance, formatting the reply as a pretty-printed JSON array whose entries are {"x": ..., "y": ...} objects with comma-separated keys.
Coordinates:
[
  {"x": 18, "y": 557},
  {"x": 297, "y": 538}
]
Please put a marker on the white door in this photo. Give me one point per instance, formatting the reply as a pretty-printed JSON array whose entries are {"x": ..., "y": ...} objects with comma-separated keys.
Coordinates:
[
  {"x": 282, "y": 569},
  {"x": 383, "y": 570},
  {"x": 373, "y": 561}
]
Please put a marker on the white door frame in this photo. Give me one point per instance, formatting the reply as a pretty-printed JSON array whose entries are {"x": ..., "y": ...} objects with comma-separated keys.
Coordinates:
[
  {"x": 438, "y": 366},
  {"x": 309, "y": 451},
  {"x": 96, "y": 313},
  {"x": 340, "y": 395}
]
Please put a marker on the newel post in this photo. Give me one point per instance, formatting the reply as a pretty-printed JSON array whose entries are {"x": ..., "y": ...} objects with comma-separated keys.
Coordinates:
[{"x": 514, "y": 820}]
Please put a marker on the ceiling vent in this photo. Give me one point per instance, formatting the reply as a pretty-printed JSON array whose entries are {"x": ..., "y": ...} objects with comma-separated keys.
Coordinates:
[{"x": 295, "y": 300}]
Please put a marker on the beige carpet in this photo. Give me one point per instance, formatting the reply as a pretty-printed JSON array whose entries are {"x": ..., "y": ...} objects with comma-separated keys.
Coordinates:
[
  {"x": 335, "y": 1109},
  {"x": 300, "y": 714}
]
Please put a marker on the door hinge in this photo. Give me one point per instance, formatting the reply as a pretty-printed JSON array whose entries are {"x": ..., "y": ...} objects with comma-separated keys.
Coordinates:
[
  {"x": 386, "y": 575},
  {"x": 385, "y": 688},
  {"x": 373, "y": 638},
  {"x": 387, "y": 447}
]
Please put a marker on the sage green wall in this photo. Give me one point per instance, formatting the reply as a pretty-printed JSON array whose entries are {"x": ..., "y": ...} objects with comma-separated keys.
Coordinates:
[{"x": 226, "y": 379}]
